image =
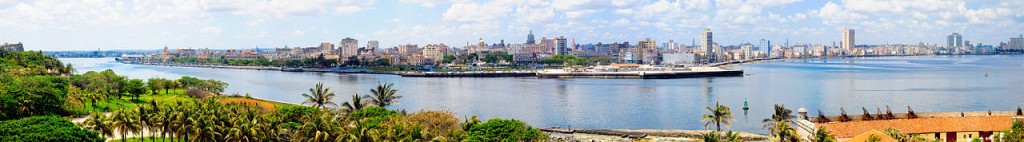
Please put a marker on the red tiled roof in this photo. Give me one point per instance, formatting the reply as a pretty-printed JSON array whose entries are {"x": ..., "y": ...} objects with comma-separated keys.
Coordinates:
[{"x": 921, "y": 125}]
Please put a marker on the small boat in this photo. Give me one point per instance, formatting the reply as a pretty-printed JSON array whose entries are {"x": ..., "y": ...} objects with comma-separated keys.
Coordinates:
[{"x": 745, "y": 105}]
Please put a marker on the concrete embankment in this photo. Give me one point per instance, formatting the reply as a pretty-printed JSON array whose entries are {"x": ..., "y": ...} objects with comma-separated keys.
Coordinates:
[
  {"x": 468, "y": 74},
  {"x": 632, "y": 135},
  {"x": 641, "y": 75}
]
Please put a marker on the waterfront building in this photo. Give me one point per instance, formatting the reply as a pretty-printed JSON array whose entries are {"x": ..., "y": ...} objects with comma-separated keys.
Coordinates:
[
  {"x": 954, "y": 40},
  {"x": 349, "y": 47},
  {"x": 1016, "y": 44},
  {"x": 435, "y": 51},
  {"x": 766, "y": 47},
  {"x": 748, "y": 51},
  {"x": 561, "y": 48},
  {"x": 646, "y": 46},
  {"x": 408, "y": 49},
  {"x": 529, "y": 38},
  {"x": 684, "y": 59},
  {"x": 706, "y": 40},
  {"x": 849, "y": 41}
]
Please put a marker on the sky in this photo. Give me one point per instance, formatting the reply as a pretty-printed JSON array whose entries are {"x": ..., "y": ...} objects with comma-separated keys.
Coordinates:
[{"x": 60, "y": 25}]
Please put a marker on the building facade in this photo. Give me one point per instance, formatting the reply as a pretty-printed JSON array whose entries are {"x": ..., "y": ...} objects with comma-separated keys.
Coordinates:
[
  {"x": 849, "y": 40},
  {"x": 561, "y": 48},
  {"x": 706, "y": 39},
  {"x": 349, "y": 47}
]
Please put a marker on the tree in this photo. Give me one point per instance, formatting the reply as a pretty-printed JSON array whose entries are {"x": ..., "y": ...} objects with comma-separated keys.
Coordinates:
[
  {"x": 717, "y": 115},
  {"x": 504, "y": 130},
  {"x": 45, "y": 129},
  {"x": 124, "y": 121},
  {"x": 134, "y": 88},
  {"x": 319, "y": 96},
  {"x": 822, "y": 135},
  {"x": 100, "y": 123},
  {"x": 383, "y": 95},
  {"x": 781, "y": 115},
  {"x": 356, "y": 104},
  {"x": 1014, "y": 134},
  {"x": 155, "y": 84}
]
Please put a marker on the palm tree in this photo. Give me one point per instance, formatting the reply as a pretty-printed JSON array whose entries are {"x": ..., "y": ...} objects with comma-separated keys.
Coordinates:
[
  {"x": 100, "y": 123},
  {"x": 319, "y": 96},
  {"x": 356, "y": 104},
  {"x": 383, "y": 95},
  {"x": 822, "y": 135},
  {"x": 717, "y": 115},
  {"x": 784, "y": 132},
  {"x": 142, "y": 115},
  {"x": 124, "y": 121},
  {"x": 780, "y": 115}
]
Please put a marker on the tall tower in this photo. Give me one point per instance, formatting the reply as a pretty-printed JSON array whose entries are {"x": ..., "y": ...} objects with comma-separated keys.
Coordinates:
[
  {"x": 705, "y": 41},
  {"x": 848, "y": 40},
  {"x": 560, "y": 47},
  {"x": 954, "y": 40},
  {"x": 529, "y": 38}
]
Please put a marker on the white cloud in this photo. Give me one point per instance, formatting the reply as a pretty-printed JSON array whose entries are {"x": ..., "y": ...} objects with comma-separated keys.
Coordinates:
[
  {"x": 210, "y": 30},
  {"x": 432, "y": 3},
  {"x": 473, "y": 12}
]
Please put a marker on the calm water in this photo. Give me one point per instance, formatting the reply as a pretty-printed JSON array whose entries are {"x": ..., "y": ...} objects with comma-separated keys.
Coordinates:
[{"x": 928, "y": 83}]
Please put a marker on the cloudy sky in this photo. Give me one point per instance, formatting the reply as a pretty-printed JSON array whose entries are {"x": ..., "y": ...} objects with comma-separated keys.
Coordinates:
[{"x": 224, "y": 24}]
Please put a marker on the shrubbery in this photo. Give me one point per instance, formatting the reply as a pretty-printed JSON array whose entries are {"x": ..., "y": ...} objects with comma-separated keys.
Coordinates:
[{"x": 45, "y": 129}]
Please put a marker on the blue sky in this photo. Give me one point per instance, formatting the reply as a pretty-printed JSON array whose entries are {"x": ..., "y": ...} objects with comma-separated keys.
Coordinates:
[{"x": 231, "y": 24}]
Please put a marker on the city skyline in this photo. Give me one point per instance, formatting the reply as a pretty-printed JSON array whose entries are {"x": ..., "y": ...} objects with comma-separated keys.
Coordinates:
[{"x": 90, "y": 25}]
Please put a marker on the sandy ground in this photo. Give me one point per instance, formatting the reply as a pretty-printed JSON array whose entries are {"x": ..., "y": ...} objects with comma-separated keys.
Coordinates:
[{"x": 117, "y": 134}]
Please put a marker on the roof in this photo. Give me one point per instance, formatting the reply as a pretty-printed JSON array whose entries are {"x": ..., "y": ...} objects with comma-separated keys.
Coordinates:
[
  {"x": 867, "y": 135},
  {"x": 921, "y": 125}
]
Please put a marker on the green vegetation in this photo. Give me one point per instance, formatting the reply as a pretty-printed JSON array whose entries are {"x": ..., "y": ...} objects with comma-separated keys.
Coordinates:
[
  {"x": 778, "y": 124},
  {"x": 36, "y": 89},
  {"x": 1014, "y": 134},
  {"x": 717, "y": 115},
  {"x": 822, "y": 135},
  {"x": 903, "y": 137},
  {"x": 570, "y": 60},
  {"x": 506, "y": 130},
  {"x": 45, "y": 129}
]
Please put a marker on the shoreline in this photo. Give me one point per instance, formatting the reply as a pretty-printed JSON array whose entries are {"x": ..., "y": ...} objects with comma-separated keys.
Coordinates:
[{"x": 556, "y": 133}]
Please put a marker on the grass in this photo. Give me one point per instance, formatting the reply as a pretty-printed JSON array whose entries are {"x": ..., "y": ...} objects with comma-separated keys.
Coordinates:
[
  {"x": 173, "y": 95},
  {"x": 146, "y": 139}
]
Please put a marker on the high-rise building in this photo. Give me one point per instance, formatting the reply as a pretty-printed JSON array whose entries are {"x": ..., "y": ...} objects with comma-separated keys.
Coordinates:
[
  {"x": 561, "y": 48},
  {"x": 1016, "y": 43},
  {"x": 954, "y": 40},
  {"x": 849, "y": 41},
  {"x": 372, "y": 44},
  {"x": 671, "y": 45},
  {"x": 706, "y": 40},
  {"x": 529, "y": 38},
  {"x": 646, "y": 45},
  {"x": 349, "y": 47},
  {"x": 766, "y": 47}
]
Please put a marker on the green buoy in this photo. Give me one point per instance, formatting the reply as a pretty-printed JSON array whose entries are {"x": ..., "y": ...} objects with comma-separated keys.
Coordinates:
[{"x": 745, "y": 105}]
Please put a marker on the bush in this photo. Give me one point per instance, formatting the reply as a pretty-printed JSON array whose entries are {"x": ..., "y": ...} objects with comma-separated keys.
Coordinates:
[
  {"x": 45, "y": 129},
  {"x": 507, "y": 130},
  {"x": 372, "y": 116},
  {"x": 31, "y": 96}
]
